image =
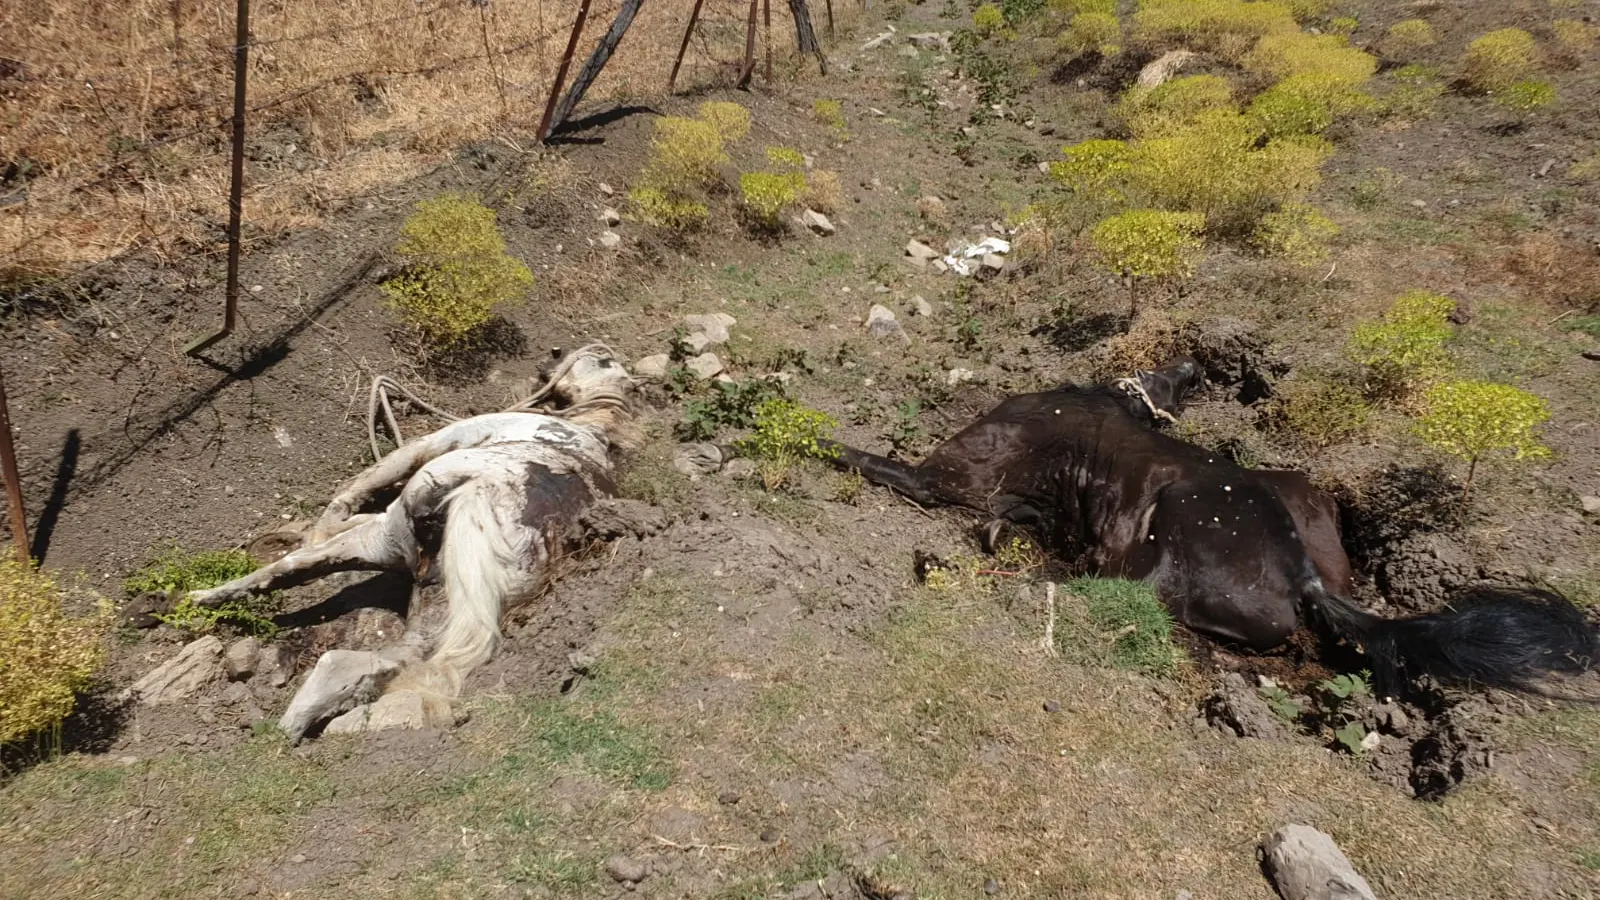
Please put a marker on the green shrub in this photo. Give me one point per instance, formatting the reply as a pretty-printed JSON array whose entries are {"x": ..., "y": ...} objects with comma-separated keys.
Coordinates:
[
  {"x": 1308, "y": 9},
  {"x": 1092, "y": 32},
  {"x": 1471, "y": 420},
  {"x": 1223, "y": 26},
  {"x": 1130, "y": 626},
  {"x": 1287, "y": 53},
  {"x": 177, "y": 571},
  {"x": 1344, "y": 26},
  {"x": 786, "y": 433},
  {"x": 1406, "y": 348},
  {"x": 1173, "y": 105},
  {"x": 786, "y": 157},
  {"x": 46, "y": 656},
  {"x": 657, "y": 207},
  {"x": 831, "y": 114},
  {"x": 1076, "y": 7},
  {"x": 1305, "y": 104},
  {"x": 1095, "y": 170},
  {"x": 457, "y": 270},
  {"x": 1499, "y": 59},
  {"x": 731, "y": 120},
  {"x": 730, "y": 404},
  {"x": 192, "y": 618},
  {"x": 1406, "y": 38},
  {"x": 768, "y": 194},
  {"x": 1322, "y": 413},
  {"x": 988, "y": 19},
  {"x": 1526, "y": 96},
  {"x": 1148, "y": 244},
  {"x": 1297, "y": 232}
]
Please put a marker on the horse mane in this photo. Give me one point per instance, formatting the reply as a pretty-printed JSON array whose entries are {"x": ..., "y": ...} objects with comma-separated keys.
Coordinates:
[{"x": 610, "y": 410}]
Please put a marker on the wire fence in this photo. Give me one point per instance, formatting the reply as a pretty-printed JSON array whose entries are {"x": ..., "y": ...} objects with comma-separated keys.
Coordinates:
[{"x": 114, "y": 123}]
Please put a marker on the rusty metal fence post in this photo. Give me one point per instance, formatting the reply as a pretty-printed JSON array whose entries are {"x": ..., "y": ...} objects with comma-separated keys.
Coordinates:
[
  {"x": 241, "y": 62},
  {"x": 8, "y": 469},
  {"x": 561, "y": 71}
]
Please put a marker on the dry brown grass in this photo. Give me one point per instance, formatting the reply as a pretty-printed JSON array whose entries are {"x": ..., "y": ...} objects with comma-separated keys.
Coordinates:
[{"x": 115, "y": 113}]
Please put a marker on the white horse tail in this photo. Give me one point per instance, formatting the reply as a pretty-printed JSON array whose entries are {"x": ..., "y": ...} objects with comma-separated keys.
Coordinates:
[{"x": 480, "y": 565}]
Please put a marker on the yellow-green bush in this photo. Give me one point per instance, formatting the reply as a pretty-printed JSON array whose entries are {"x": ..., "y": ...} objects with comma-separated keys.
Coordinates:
[
  {"x": 1499, "y": 59},
  {"x": 1344, "y": 26},
  {"x": 1074, "y": 7},
  {"x": 1148, "y": 244},
  {"x": 1095, "y": 170},
  {"x": 785, "y": 434},
  {"x": 1407, "y": 38},
  {"x": 988, "y": 19},
  {"x": 46, "y": 655},
  {"x": 1282, "y": 54},
  {"x": 1092, "y": 32},
  {"x": 1224, "y": 26},
  {"x": 1305, "y": 104},
  {"x": 768, "y": 194},
  {"x": 664, "y": 210},
  {"x": 1296, "y": 232},
  {"x": 1175, "y": 104},
  {"x": 457, "y": 269},
  {"x": 1405, "y": 349},
  {"x": 1308, "y": 9},
  {"x": 731, "y": 120},
  {"x": 1472, "y": 420},
  {"x": 1526, "y": 96}
]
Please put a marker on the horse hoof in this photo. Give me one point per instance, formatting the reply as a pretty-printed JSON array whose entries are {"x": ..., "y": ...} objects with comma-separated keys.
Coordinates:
[{"x": 273, "y": 546}]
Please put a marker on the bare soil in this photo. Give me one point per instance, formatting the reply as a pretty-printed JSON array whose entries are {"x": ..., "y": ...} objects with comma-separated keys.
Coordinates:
[{"x": 759, "y": 699}]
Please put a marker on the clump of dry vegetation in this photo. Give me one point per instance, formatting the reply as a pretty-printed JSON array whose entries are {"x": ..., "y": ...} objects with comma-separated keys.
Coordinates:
[{"x": 1499, "y": 59}]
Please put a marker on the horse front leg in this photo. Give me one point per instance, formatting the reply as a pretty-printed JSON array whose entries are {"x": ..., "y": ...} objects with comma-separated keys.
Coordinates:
[{"x": 370, "y": 542}]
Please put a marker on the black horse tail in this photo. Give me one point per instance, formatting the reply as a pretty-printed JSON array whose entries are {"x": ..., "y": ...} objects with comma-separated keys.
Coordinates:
[
  {"x": 1505, "y": 637},
  {"x": 881, "y": 470}
]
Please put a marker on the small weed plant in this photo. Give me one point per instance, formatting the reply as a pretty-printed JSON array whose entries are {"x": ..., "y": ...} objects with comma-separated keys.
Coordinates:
[
  {"x": 831, "y": 114},
  {"x": 1069, "y": 8},
  {"x": 768, "y": 194},
  {"x": 457, "y": 270},
  {"x": 1323, "y": 412},
  {"x": 1412, "y": 94},
  {"x": 1282, "y": 705},
  {"x": 1474, "y": 420},
  {"x": 823, "y": 192},
  {"x": 1341, "y": 696},
  {"x": 786, "y": 433},
  {"x": 1575, "y": 40},
  {"x": 686, "y": 156},
  {"x": 1526, "y": 96},
  {"x": 175, "y": 571},
  {"x": 1499, "y": 59},
  {"x": 1148, "y": 244},
  {"x": 1405, "y": 350},
  {"x": 988, "y": 20},
  {"x": 46, "y": 655},
  {"x": 730, "y": 404}
]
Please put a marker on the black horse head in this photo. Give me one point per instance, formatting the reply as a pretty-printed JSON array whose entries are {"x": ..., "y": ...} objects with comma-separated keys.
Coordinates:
[{"x": 1156, "y": 395}]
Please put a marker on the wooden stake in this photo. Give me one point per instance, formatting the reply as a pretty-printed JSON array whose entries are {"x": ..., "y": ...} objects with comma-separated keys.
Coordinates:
[
  {"x": 694, "y": 17},
  {"x": 766, "y": 12},
  {"x": 8, "y": 469},
  {"x": 749, "y": 47},
  {"x": 597, "y": 62},
  {"x": 561, "y": 71}
]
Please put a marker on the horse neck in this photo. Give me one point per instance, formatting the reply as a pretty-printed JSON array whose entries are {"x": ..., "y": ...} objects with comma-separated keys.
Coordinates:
[{"x": 613, "y": 419}]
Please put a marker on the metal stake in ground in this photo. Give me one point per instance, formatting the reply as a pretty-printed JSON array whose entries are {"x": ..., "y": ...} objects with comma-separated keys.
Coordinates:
[
  {"x": 241, "y": 62},
  {"x": 561, "y": 71},
  {"x": 8, "y": 469},
  {"x": 597, "y": 62},
  {"x": 749, "y": 47}
]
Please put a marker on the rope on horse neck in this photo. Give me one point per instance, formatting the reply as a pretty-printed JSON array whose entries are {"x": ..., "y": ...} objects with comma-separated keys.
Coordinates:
[
  {"x": 1135, "y": 388},
  {"x": 378, "y": 400}
]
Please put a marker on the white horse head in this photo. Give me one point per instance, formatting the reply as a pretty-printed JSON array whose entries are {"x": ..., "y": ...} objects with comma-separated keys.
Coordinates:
[{"x": 592, "y": 387}]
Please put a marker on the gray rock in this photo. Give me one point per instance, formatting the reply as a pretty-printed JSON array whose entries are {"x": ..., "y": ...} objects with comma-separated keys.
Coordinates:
[
  {"x": 930, "y": 40},
  {"x": 706, "y": 366},
  {"x": 1154, "y": 73},
  {"x": 352, "y": 722},
  {"x": 740, "y": 468},
  {"x": 1305, "y": 864},
  {"x": 611, "y": 217},
  {"x": 957, "y": 376},
  {"x": 817, "y": 222},
  {"x": 877, "y": 41},
  {"x": 653, "y": 366},
  {"x": 401, "y": 709},
  {"x": 694, "y": 460},
  {"x": 1590, "y": 504},
  {"x": 882, "y": 323},
  {"x": 714, "y": 326},
  {"x": 197, "y": 665},
  {"x": 697, "y": 341},
  {"x": 610, "y": 240},
  {"x": 607, "y": 189},
  {"x": 992, "y": 264},
  {"x": 241, "y": 659},
  {"x": 920, "y": 306},
  {"x": 919, "y": 250},
  {"x": 626, "y": 869}
]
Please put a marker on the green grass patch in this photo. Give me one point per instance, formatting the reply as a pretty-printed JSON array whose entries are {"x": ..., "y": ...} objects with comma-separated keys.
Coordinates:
[{"x": 1127, "y": 626}]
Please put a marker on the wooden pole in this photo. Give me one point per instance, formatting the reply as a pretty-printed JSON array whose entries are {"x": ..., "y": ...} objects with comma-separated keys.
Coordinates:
[
  {"x": 694, "y": 17},
  {"x": 241, "y": 65},
  {"x": 561, "y": 71},
  {"x": 766, "y": 12},
  {"x": 597, "y": 62},
  {"x": 8, "y": 468},
  {"x": 749, "y": 46},
  {"x": 830, "y": 17}
]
